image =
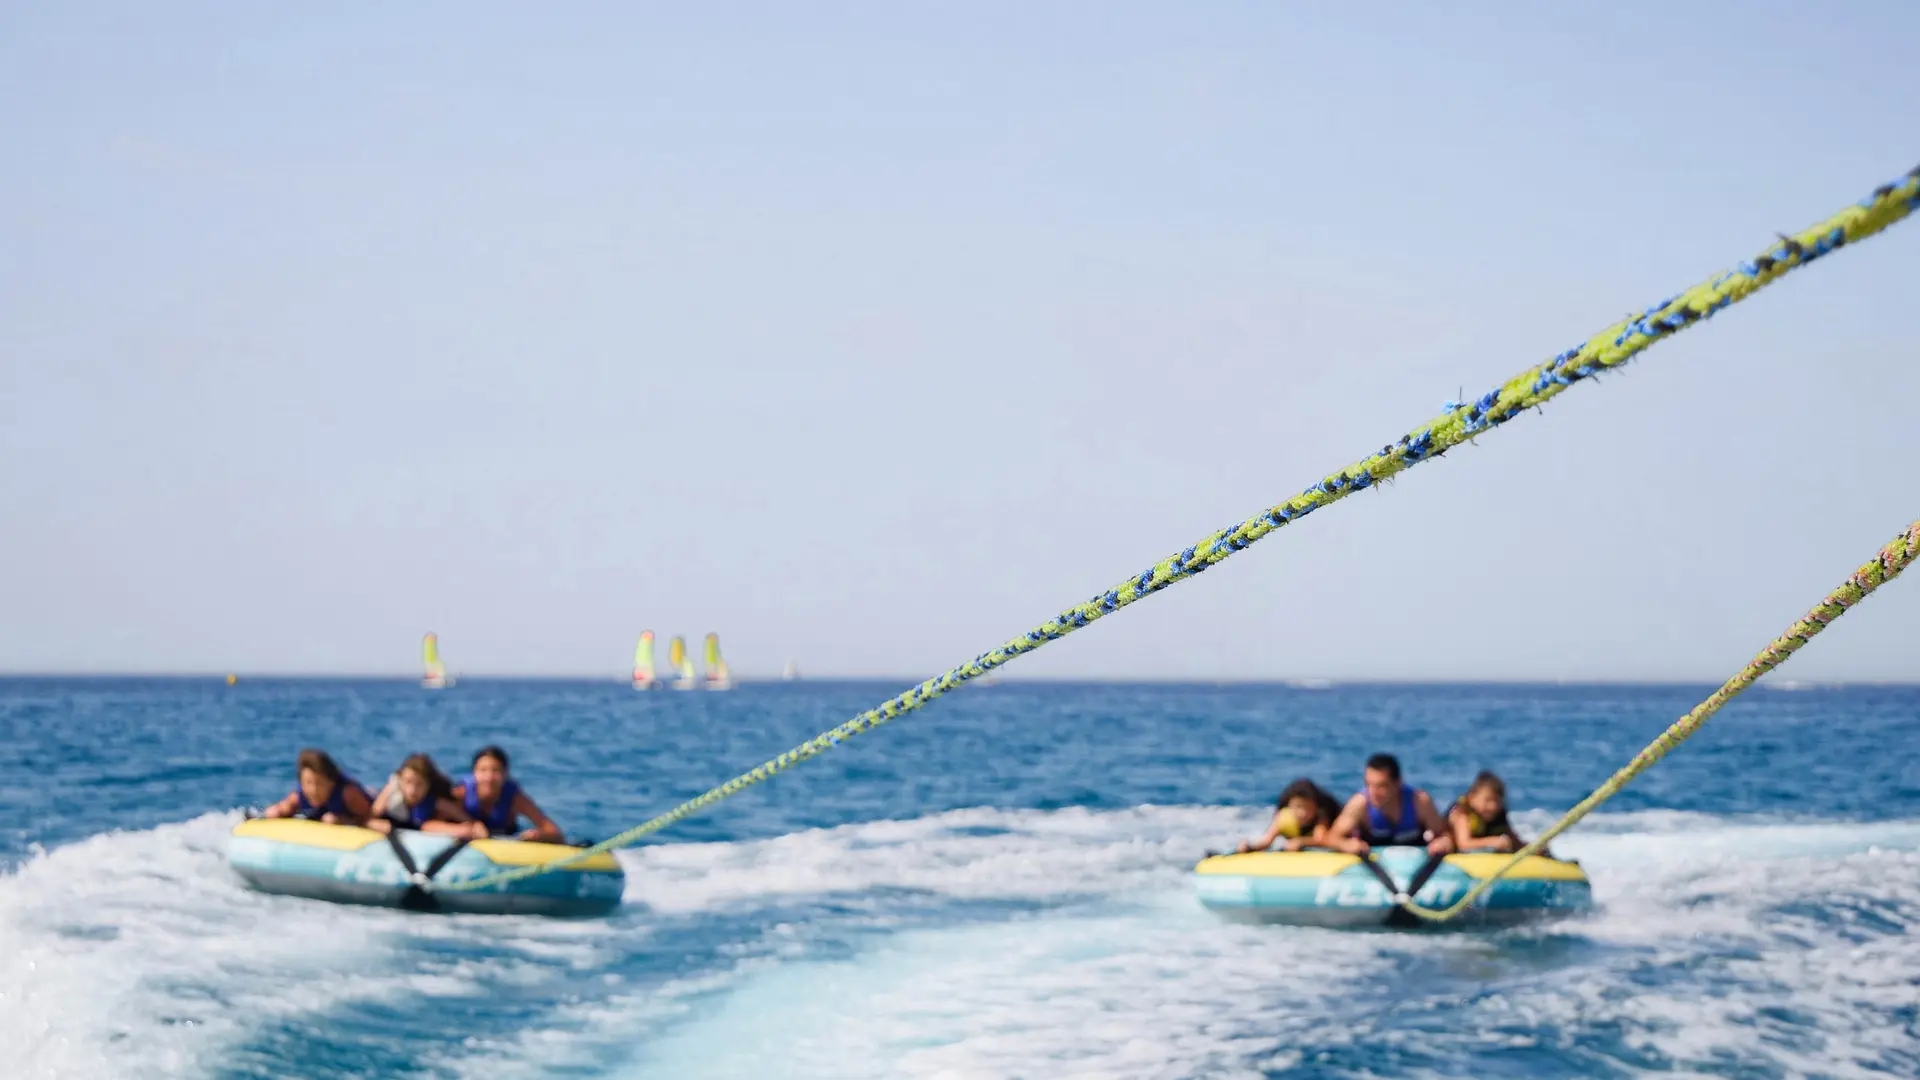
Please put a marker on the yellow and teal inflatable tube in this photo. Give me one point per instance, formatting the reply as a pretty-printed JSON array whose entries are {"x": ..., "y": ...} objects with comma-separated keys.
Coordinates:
[
  {"x": 350, "y": 865},
  {"x": 1328, "y": 888}
]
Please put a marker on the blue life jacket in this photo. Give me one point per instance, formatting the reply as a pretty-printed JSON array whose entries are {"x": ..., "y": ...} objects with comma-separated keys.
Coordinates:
[
  {"x": 501, "y": 819},
  {"x": 420, "y": 815},
  {"x": 336, "y": 803},
  {"x": 1379, "y": 832},
  {"x": 415, "y": 816}
]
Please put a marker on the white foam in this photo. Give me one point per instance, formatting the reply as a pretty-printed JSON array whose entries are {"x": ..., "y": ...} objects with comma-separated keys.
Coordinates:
[
  {"x": 872, "y": 874},
  {"x": 964, "y": 854},
  {"x": 1122, "y": 975},
  {"x": 980, "y": 943},
  {"x": 140, "y": 953},
  {"x": 1120, "y": 996},
  {"x": 135, "y": 952},
  {"x": 1802, "y": 933}
]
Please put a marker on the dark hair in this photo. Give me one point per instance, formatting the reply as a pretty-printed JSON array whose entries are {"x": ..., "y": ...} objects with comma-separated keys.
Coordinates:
[
  {"x": 1385, "y": 763},
  {"x": 319, "y": 762},
  {"x": 438, "y": 786},
  {"x": 1326, "y": 805},
  {"x": 495, "y": 753},
  {"x": 1488, "y": 779}
]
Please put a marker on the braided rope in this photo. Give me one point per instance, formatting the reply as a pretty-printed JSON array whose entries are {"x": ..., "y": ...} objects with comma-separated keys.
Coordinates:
[
  {"x": 1892, "y": 559},
  {"x": 1539, "y": 384}
]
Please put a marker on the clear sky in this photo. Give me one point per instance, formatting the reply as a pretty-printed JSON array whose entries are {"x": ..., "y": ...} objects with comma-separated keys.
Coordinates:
[{"x": 873, "y": 335}]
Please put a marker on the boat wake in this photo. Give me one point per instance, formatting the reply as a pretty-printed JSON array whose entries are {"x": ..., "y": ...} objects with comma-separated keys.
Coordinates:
[{"x": 973, "y": 943}]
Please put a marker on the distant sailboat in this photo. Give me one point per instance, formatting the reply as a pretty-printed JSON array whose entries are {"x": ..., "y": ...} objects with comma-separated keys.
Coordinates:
[
  {"x": 681, "y": 663},
  {"x": 436, "y": 672},
  {"x": 718, "y": 677},
  {"x": 643, "y": 678},
  {"x": 792, "y": 673}
]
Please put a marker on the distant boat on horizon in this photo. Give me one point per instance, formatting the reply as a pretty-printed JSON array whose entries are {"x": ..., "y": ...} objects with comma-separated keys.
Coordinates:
[
  {"x": 643, "y": 676},
  {"x": 1310, "y": 684},
  {"x": 792, "y": 672},
  {"x": 681, "y": 663},
  {"x": 435, "y": 677},
  {"x": 718, "y": 677}
]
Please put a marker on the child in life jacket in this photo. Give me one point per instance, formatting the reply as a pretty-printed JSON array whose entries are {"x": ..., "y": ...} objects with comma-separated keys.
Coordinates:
[
  {"x": 325, "y": 793},
  {"x": 1478, "y": 819},
  {"x": 1301, "y": 815},
  {"x": 419, "y": 796}
]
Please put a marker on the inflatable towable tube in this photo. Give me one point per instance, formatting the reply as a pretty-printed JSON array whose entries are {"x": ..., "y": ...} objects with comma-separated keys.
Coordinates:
[
  {"x": 350, "y": 865},
  {"x": 1328, "y": 888}
]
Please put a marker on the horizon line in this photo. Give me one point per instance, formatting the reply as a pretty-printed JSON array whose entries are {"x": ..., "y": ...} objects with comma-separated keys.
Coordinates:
[{"x": 1291, "y": 682}]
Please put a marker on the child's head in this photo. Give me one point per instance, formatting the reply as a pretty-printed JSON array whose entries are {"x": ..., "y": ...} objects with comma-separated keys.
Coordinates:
[
  {"x": 421, "y": 779},
  {"x": 490, "y": 771},
  {"x": 1487, "y": 796},
  {"x": 318, "y": 775},
  {"x": 1310, "y": 805}
]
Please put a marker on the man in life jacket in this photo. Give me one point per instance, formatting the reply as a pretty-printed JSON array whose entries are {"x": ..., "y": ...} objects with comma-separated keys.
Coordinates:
[{"x": 1389, "y": 814}]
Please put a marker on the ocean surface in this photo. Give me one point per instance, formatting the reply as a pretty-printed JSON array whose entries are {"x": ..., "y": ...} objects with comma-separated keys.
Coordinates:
[{"x": 992, "y": 887}]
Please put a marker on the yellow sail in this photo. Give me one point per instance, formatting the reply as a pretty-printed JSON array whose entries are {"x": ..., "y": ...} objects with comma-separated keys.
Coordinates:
[
  {"x": 718, "y": 677},
  {"x": 643, "y": 678},
  {"x": 436, "y": 672},
  {"x": 682, "y": 663}
]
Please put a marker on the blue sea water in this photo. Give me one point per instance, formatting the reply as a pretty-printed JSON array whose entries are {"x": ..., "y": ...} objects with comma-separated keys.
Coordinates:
[{"x": 992, "y": 887}]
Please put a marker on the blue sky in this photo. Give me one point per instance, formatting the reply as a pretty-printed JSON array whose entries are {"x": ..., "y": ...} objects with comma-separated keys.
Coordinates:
[{"x": 872, "y": 335}]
